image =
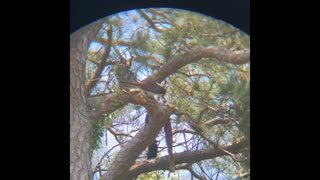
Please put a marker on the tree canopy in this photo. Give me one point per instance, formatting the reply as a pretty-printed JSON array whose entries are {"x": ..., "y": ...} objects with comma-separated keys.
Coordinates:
[{"x": 202, "y": 122}]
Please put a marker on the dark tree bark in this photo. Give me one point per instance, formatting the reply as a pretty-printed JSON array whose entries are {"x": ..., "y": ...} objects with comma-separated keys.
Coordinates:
[
  {"x": 81, "y": 125},
  {"x": 83, "y": 122},
  {"x": 187, "y": 157},
  {"x": 168, "y": 133}
]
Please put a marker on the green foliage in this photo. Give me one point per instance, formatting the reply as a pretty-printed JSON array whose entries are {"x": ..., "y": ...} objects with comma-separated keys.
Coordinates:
[
  {"x": 141, "y": 39},
  {"x": 157, "y": 175},
  {"x": 152, "y": 175},
  {"x": 96, "y": 140},
  {"x": 193, "y": 88}
]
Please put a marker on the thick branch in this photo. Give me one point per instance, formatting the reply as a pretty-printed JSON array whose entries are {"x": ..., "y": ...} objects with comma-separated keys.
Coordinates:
[
  {"x": 186, "y": 157},
  {"x": 110, "y": 103},
  {"x": 158, "y": 116},
  {"x": 116, "y": 100},
  {"x": 195, "y": 54},
  {"x": 120, "y": 42}
]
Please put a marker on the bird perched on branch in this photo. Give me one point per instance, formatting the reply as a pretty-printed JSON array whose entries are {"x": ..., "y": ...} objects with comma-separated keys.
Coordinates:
[{"x": 153, "y": 150}]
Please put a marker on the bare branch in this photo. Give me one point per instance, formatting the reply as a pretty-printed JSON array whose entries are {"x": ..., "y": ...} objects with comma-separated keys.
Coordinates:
[
  {"x": 217, "y": 174},
  {"x": 165, "y": 16},
  {"x": 199, "y": 131},
  {"x": 193, "y": 74},
  {"x": 216, "y": 121},
  {"x": 93, "y": 61},
  {"x": 99, "y": 170},
  {"x": 99, "y": 94},
  {"x": 149, "y": 20},
  {"x": 105, "y": 154},
  {"x": 102, "y": 63},
  {"x": 116, "y": 134},
  {"x": 120, "y": 42},
  {"x": 204, "y": 172},
  {"x": 194, "y": 173}
]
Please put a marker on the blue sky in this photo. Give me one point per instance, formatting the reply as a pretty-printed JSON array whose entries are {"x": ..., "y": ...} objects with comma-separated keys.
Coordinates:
[{"x": 128, "y": 28}]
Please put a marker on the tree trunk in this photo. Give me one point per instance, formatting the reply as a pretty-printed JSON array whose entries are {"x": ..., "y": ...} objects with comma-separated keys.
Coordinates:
[{"x": 81, "y": 125}]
